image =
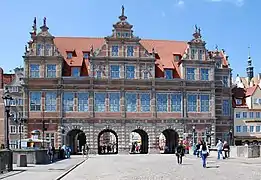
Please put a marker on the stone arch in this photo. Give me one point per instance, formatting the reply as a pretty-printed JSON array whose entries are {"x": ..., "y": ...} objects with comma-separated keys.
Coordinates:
[
  {"x": 113, "y": 146},
  {"x": 171, "y": 140},
  {"x": 144, "y": 144},
  {"x": 75, "y": 139}
]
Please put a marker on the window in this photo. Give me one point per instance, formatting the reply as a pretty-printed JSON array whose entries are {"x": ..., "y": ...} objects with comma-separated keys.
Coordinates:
[
  {"x": 130, "y": 51},
  {"x": 130, "y": 72},
  {"x": 131, "y": 102},
  {"x": 244, "y": 114},
  {"x": 13, "y": 102},
  {"x": 50, "y": 101},
  {"x": 244, "y": 128},
  {"x": 98, "y": 74},
  {"x": 20, "y": 129},
  {"x": 238, "y": 129},
  {"x": 218, "y": 64},
  {"x": 225, "y": 81},
  {"x": 48, "y": 49},
  {"x": 76, "y": 72},
  {"x": 204, "y": 74},
  {"x": 83, "y": 102},
  {"x": 35, "y": 101},
  {"x": 204, "y": 103},
  {"x": 146, "y": 75},
  {"x": 68, "y": 101},
  {"x": 13, "y": 89},
  {"x": 257, "y": 128},
  {"x": 39, "y": 50},
  {"x": 114, "y": 99},
  {"x": 251, "y": 128},
  {"x": 34, "y": 70},
  {"x": 115, "y": 50},
  {"x": 226, "y": 108},
  {"x": 12, "y": 129},
  {"x": 19, "y": 102},
  {"x": 257, "y": 114},
  {"x": 176, "y": 58},
  {"x": 99, "y": 102},
  {"x": 51, "y": 71},
  {"x": 238, "y": 101},
  {"x": 200, "y": 55},
  {"x": 145, "y": 102},
  {"x": 115, "y": 71},
  {"x": 85, "y": 55},
  {"x": 193, "y": 52},
  {"x": 190, "y": 74},
  {"x": 168, "y": 74},
  {"x": 238, "y": 115},
  {"x": 192, "y": 103},
  {"x": 162, "y": 102},
  {"x": 69, "y": 55},
  {"x": 251, "y": 114},
  {"x": 175, "y": 100}
]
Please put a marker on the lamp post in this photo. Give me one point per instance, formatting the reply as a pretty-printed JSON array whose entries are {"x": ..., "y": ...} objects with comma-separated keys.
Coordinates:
[
  {"x": 21, "y": 122},
  {"x": 193, "y": 135},
  {"x": 7, "y": 102},
  {"x": 62, "y": 131},
  {"x": 230, "y": 134},
  {"x": 206, "y": 135}
]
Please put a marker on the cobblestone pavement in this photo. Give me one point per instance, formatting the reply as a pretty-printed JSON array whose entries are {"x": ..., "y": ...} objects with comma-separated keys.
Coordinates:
[
  {"x": 162, "y": 167},
  {"x": 42, "y": 172}
]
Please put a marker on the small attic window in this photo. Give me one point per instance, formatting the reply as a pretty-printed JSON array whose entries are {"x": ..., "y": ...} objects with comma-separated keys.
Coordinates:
[
  {"x": 85, "y": 55},
  {"x": 69, "y": 55},
  {"x": 176, "y": 57}
]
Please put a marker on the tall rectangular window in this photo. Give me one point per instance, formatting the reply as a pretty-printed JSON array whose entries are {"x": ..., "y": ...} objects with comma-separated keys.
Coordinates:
[
  {"x": 190, "y": 74},
  {"x": 257, "y": 114},
  {"x": 238, "y": 129},
  {"x": 238, "y": 115},
  {"x": 204, "y": 103},
  {"x": 168, "y": 73},
  {"x": 85, "y": 55},
  {"x": 257, "y": 128},
  {"x": 175, "y": 102},
  {"x": 204, "y": 74},
  {"x": 251, "y": 114},
  {"x": 226, "y": 108},
  {"x": 131, "y": 102},
  {"x": 114, "y": 100},
  {"x": 225, "y": 81},
  {"x": 69, "y": 55},
  {"x": 68, "y": 101},
  {"x": 98, "y": 74},
  {"x": 251, "y": 128},
  {"x": 192, "y": 103},
  {"x": 244, "y": 128},
  {"x": 130, "y": 72},
  {"x": 76, "y": 71},
  {"x": 83, "y": 102},
  {"x": 50, "y": 101},
  {"x": 39, "y": 50},
  {"x": 115, "y": 71},
  {"x": 162, "y": 102},
  {"x": 51, "y": 71},
  {"x": 130, "y": 51},
  {"x": 200, "y": 55},
  {"x": 99, "y": 101},
  {"x": 34, "y": 70},
  {"x": 145, "y": 102},
  {"x": 35, "y": 101},
  {"x": 193, "y": 52},
  {"x": 48, "y": 50},
  {"x": 115, "y": 50}
]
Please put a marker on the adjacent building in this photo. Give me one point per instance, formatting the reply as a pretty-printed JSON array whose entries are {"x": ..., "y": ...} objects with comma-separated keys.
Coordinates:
[{"x": 123, "y": 84}]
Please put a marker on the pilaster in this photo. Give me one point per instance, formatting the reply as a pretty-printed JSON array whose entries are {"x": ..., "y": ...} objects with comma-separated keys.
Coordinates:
[
  {"x": 122, "y": 103},
  {"x": 153, "y": 103}
]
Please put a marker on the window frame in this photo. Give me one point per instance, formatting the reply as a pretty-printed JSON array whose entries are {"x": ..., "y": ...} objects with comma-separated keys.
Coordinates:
[
  {"x": 52, "y": 102},
  {"x": 130, "y": 74},
  {"x": 166, "y": 75},
  {"x": 52, "y": 71},
  {"x": 114, "y": 50},
  {"x": 83, "y": 104},
  {"x": 145, "y": 103},
  {"x": 115, "y": 74},
  {"x": 204, "y": 74},
  {"x": 175, "y": 102},
  {"x": 131, "y": 102},
  {"x": 101, "y": 106},
  {"x": 130, "y": 53},
  {"x": 192, "y": 106},
  {"x": 68, "y": 103},
  {"x": 73, "y": 72},
  {"x": 114, "y": 105},
  {"x": 38, "y": 102},
  {"x": 164, "y": 104},
  {"x": 189, "y": 75},
  {"x": 34, "y": 72},
  {"x": 204, "y": 103}
]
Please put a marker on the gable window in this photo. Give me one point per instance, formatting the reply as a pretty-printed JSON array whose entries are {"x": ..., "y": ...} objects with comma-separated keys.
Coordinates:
[
  {"x": 200, "y": 55},
  {"x": 190, "y": 74},
  {"x": 34, "y": 70},
  {"x": 193, "y": 52},
  {"x": 238, "y": 115},
  {"x": 51, "y": 71},
  {"x": 48, "y": 50},
  {"x": 115, "y": 71},
  {"x": 204, "y": 74},
  {"x": 175, "y": 100},
  {"x": 176, "y": 58},
  {"x": 131, "y": 102},
  {"x": 145, "y": 75},
  {"x": 83, "y": 102},
  {"x": 98, "y": 74},
  {"x": 39, "y": 49},
  {"x": 130, "y": 51},
  {"x": 238, "y": 101},
  {"x": 68, "y": 101},
  {"x": 257, "y": 114},
  {"x": 162, "y": 102},
  {"x": 130, "y": 72},
  {"x": 225, "y": 81},
  {"x": 204, "y": 103},
  {"x": 99, "y": 102},
  {"x": 192, "y": 103},
  {"x": 69, "y": 55},
  {"x": 35, "y": 101},
  {"x": 226, "y": 107},
  {"x": 76, "y": 72},
  {"x": 168, "y": 74},
  {"x": 85, "y": 55},
  {"x": 50, "y": 101},
  {"x": 115, "y": 50},
  {"x": 114, "y": 102},
  {"x": 218, "y": 64},
  {"x": 145, "y": 102}
]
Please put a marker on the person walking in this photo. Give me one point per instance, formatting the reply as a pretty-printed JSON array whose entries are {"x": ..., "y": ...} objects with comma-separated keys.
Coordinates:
[
  {"x": 204, "y": 154},
  {"x": 226, "y": 149},
  {"x": 180, "y": 152},
  {"x": 219, "y": 147}
]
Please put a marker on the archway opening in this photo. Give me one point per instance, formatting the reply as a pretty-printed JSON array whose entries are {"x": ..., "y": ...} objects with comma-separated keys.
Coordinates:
[
  {"x": 76, "y": 139},
  {"x": 139, "y": 142},
  {"x": 168, "y": 141},
  {"x": 107, "y": 142}
]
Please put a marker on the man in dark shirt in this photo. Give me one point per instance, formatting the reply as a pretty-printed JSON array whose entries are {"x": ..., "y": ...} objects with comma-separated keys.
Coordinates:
[{"x": 180, "y": 152}]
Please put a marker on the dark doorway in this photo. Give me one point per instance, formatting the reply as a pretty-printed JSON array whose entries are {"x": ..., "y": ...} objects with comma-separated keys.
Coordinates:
[
  {"x": 140, "y": 144},
  {"x": 107, "y": 142},
  {"x": 168, "y": 141},
  {"x": 75, "y": 140}
]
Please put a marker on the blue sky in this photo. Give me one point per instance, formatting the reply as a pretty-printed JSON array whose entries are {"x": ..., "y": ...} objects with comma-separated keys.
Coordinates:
[{"x": 231, "y": 24}]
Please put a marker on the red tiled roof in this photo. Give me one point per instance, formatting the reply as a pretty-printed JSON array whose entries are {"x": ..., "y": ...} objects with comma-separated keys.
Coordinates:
[{"x": 250, "y": 91}]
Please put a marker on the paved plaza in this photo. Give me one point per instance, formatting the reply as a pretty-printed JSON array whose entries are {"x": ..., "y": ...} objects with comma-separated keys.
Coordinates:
[{"x": 164, "y": 167}]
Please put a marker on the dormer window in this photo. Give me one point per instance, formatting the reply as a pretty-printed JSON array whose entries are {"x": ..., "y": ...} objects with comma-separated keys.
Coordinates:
[
  {"x": 76, "y": 72},
  {"x": 193, "y": 52},
  {"x": 168, "y": 74},
  {"x": 85, "y": 55},
  {"x": 69, "y": 55},
  {"x": 238, "y": 101},
  {"x": 48, "y": 49},
  {"x": 218, "y": 64},
  {"x": 130, "y": 51},
  {"x": 39, "y": 49},
  {"x": 200, "y": 55},
  {"x": 176, "y": 57},
  {"x": 115, "y": 50}
]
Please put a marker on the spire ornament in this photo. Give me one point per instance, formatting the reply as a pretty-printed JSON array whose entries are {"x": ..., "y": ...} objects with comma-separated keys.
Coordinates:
[
  {"x": 44, "y": 26},
  {"x": 122, "y": 10}
]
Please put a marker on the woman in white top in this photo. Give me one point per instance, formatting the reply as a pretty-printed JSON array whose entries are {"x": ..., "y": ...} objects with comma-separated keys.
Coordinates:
[{"x": 204, "y": 153}]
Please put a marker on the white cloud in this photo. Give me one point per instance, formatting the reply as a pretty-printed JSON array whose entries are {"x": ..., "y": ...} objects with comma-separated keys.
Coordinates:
[
  {"x": 179, "y": 3},
  {"x": 236, "y": 2}
]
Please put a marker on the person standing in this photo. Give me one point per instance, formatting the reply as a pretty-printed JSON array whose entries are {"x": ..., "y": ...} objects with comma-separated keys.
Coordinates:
[
  {"x": 180, "y": 152},
  {"x": 219, "y": 147},
  {"x": 226, "y": 149},
  {"x": 204, "y": 154}
]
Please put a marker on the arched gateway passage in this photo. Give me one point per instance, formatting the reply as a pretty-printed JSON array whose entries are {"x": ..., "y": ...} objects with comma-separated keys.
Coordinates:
[
  {"x": 75, "y": 140},
  {"x": 107, "y": 142},
  {"x": 139, "y": 142},
  {"x": 168, "y": 141}
]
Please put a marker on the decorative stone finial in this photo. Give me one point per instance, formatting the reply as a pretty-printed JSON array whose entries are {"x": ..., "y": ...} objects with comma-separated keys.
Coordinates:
[
  {"x": 122, "y": 10},
  {"x": 44, "y": 21},
  {"x": 44, "y": 26}
]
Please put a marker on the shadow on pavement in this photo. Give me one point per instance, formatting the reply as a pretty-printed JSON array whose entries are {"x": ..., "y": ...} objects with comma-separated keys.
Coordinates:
[
  {"x": 212, "y": 167},
  {"x": 12, "y": 173}
]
